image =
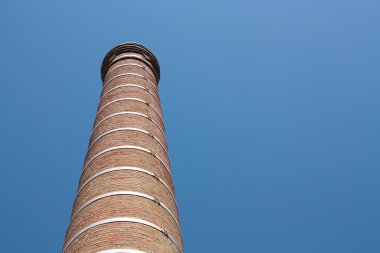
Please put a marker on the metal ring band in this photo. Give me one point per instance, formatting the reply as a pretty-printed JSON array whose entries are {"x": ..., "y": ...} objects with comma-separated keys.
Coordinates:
[
  {"x": 135, "y": 57},
  {"x": 122, "y": 219},
  {"x": 132, "y": 99},
  {"x": 132, "y": 193},
  {"x": 130, "y": 74},
  {"x": 129, "y": 129},
  {"x": 127, "y": 168},
  {"x": 126, "y": 147},
  {"x": 133, "y": 113},
  {"x": 129, "y": 64},
  {"x": 121, "y": 251},
  {"x": 130, "y": 85},
  {"x": 127, "y": 55}
]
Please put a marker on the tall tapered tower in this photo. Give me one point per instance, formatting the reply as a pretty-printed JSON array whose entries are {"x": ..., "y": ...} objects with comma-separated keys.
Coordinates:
[{"x": 125, "y": 200}]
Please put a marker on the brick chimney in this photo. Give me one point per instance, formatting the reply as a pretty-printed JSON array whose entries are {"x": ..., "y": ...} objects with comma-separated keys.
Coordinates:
[{"x": 125, "y": 200}]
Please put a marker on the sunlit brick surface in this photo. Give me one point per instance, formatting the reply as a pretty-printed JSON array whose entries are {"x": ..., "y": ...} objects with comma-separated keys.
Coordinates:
[{"x": 125, "y": 196}]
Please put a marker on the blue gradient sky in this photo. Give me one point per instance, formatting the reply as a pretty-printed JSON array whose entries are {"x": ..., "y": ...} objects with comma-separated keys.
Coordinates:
[{"x": 271, "y": 109}]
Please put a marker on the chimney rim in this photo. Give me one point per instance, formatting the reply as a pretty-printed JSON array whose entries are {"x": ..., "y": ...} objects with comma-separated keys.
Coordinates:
[{"x": 131, "y": 47}]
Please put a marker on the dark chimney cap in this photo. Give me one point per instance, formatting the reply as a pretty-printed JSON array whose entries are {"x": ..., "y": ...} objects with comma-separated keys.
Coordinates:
[{"x": 131, "y": 47}]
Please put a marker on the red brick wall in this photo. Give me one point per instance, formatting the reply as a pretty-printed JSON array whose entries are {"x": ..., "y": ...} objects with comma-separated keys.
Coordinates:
[{"x": 125, "y": 196}]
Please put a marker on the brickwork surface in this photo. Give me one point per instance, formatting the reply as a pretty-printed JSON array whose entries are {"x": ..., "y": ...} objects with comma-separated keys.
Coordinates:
[{"x": 125, "y": 196}]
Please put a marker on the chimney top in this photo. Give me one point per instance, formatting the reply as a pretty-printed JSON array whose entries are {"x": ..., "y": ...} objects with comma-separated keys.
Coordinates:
[{"x": 131, "y": 47}]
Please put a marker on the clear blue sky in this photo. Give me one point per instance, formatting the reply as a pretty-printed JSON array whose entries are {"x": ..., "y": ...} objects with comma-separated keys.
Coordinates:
[{"x": 272, "y": 110}]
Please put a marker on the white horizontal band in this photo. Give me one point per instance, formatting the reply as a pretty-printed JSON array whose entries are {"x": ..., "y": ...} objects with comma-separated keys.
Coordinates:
[
  {"x": 123, "y": 219},
  {"x": 130, "y": 85},
  {"x": 142, "y": 58},
  {"x": 127, "y": 147},
  {"x": 132, "y": 193},
  {"x": 127, "y": 55},
  {"x": 128, "y": 168},
  {"x": 129, "y": 64},
  {"x": 131, "y": 99},
  {"x": 121, "y": 251},
  {"x": 133, "y": 113},
  {"x": 129, "y": 129},
  {"x": 130, "y": 74}
]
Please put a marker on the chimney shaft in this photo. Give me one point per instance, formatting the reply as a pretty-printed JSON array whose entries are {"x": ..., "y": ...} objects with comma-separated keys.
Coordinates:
[{"x": 125, "y": 200}]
